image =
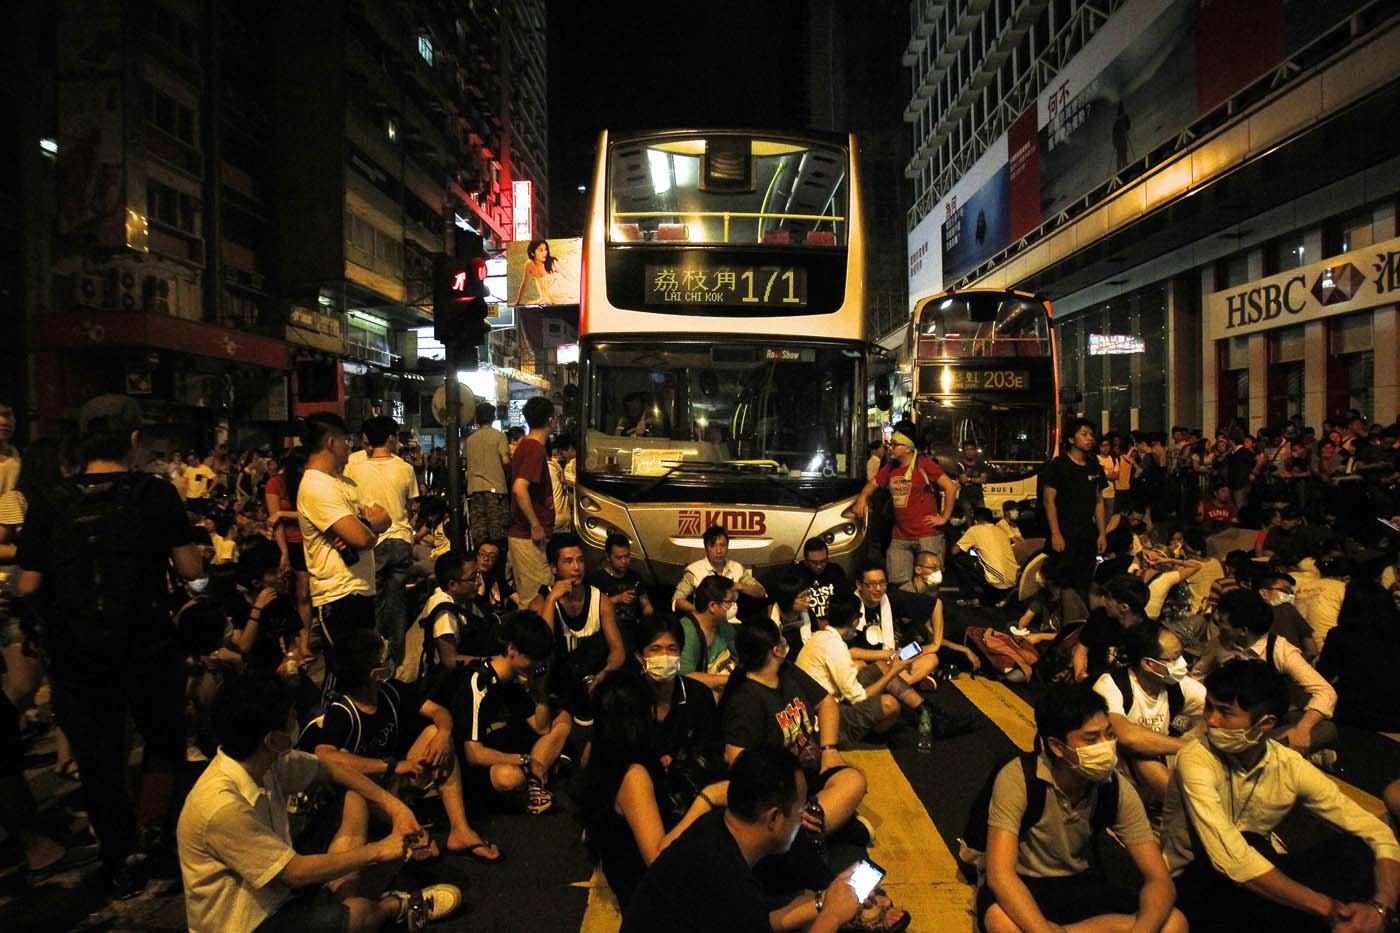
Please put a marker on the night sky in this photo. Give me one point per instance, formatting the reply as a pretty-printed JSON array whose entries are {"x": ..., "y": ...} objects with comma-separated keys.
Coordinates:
[{"x": 632, "y": 65}]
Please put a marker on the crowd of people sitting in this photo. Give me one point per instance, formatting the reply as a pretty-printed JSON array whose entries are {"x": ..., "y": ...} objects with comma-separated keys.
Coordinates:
[{"x": 304, "y": 634}]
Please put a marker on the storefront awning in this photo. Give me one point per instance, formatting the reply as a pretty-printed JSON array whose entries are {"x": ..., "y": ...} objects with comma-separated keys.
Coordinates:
[{"x": 103, "y": 330}]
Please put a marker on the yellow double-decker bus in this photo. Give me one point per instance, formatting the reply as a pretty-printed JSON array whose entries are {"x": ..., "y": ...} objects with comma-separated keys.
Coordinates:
[
  {"x": 722, "y": 346},
  {"x": 984, "y": 369}
]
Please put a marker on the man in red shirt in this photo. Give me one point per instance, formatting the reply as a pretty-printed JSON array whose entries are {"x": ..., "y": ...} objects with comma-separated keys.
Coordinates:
[
  {"x": 531, "y": 502},
  {"x": 918, "y": 515}
]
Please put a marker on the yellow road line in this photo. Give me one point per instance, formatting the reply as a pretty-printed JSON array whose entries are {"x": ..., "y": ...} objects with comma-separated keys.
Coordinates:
[
  {"x": 602, "y": 915},
  {"x": 1393, "y": 736}
]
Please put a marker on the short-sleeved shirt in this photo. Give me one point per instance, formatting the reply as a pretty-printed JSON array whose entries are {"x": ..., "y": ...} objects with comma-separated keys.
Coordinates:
[
  {"x": 1105, "y": 638},
  {"x": 487, "y": 449},
  {"x": 391, "y": 483},
  {"x": 915, "y": 498},
  {"x": 758, "y": 715},
  {"x": 1076, "y": 491},
  {"x": 1150, "y": 713},
  {"x": 691, "y": 723},
  {"x": 531, "y": 464},
  {"x": 994, "y": 550},
  {"x": 610, "y": 585},
  {"x": 821, "y": 587},
  {"x": 479, "y": 700},
  {"x": 697, "y": 657},
  {"x": 199, "y": 480},
  {"x": 387, "y": 731},
  {"x": 1057, "y": 846},
  {"x": 323, "y": 500},
  {"x": 234, "y": 841},
  {"x": 291, "y": 528},
  {"x": 699, "y": 883}
]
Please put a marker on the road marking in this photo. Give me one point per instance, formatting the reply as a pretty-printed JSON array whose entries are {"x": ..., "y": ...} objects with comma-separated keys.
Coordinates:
[{"x": 602, "y": 915}]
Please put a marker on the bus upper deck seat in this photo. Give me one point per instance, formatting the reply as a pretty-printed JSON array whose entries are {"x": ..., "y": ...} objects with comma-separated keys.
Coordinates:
[
  {"x": 821, "y": 238},
  {"x": 673, "y": 231}
]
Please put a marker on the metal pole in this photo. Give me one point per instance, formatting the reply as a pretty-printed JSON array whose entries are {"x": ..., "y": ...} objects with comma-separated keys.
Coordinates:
[{"x": 452, "y": 428}]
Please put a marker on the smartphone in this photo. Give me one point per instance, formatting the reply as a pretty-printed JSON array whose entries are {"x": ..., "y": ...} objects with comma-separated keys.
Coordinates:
[
  {"x": 1389, "y": 524},
  {"x": 974, "y": 552},
  {"x": 908, "y": 651},
  {"x": 864, "y": 879},
  {"x": 1098, "y": 558}
]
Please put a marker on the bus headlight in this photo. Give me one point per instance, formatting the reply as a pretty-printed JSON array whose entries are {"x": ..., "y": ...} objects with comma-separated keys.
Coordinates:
[
  {"x": 840, "y": 534},
  {"x": 586, "y": 503},
  {"x": 597, "y": 530}
]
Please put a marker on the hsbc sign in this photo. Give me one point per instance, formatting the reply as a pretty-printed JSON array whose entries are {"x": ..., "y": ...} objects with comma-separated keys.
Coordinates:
[
  {"x": 1360, "y": 279},
  {"x": 740, "y": 523}
]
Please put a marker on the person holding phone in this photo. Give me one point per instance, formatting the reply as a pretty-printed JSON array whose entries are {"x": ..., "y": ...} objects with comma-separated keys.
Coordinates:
[{"x": 865, "y": 706}]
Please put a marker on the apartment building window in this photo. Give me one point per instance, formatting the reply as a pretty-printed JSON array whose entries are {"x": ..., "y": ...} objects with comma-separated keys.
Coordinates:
[
  {"x": 425, "y": 48},
  {"x": 168, "y": 114},
  {"x": 165, "y": 205}
]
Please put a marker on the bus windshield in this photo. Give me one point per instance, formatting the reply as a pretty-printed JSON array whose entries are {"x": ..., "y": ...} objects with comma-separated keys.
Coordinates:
[
  {"x": 1015, "y": 439},
  {"x": 779, "y": 409},
  {"x": 728, "y": 189},
  {"x": 983, "y": 324}
]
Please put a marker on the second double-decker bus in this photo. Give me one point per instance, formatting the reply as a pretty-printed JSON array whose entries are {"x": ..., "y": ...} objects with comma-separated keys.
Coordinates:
[
  {"x": 984, "y": 370},
  {"x": 722, "y": 346}
]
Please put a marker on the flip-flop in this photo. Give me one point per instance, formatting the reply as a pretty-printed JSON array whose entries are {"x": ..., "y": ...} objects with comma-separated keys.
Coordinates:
[{"x": 473, "y": 852}]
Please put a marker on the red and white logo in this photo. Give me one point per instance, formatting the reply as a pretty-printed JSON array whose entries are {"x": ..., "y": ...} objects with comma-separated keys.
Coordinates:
[{"x": 740, "y": 523}]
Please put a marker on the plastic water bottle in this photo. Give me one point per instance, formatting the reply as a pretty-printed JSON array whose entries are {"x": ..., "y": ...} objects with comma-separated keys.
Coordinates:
[{"x": 925, "y": 731}]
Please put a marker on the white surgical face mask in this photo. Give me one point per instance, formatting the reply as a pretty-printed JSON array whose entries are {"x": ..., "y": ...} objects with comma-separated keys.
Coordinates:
[
  {"x": 1283, "y": 599},
  {"x": 662, "y": 667},
  {"x": 1175, "y": 671},
  {"x": 1234, "y": 741},
  {"x": 932, "y": 577},
  {"x": 274, "y": 740},
  {"x": 1095, "y": 762},
  {"x": 196, "y": 587}
]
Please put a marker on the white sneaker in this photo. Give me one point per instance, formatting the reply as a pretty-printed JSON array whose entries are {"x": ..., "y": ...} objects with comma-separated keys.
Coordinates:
[
  {"x": 193, "y": 755},
  {"x": 419, "y": 908},
  {"x": 1326, "y": 759}
]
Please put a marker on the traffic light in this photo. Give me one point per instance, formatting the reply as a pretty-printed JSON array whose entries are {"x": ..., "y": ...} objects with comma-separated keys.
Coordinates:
[{"x": 460, "y": 300}]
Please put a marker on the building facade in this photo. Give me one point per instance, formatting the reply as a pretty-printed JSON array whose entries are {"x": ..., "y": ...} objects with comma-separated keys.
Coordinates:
[{"x": 1202, "y": 191}]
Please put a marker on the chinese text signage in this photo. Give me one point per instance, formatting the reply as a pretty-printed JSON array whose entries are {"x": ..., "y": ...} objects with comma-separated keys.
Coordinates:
[{"x": 727, "y": 286}]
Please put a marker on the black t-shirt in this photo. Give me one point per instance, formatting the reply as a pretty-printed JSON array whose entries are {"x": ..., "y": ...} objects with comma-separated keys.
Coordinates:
[
  {"x": 163, "y": 526},
  {"x": 756, "y": 715},
  {"x": 388, "y": 731},
  {"x": 698, "y": 884},
  {"x": 1104, "y": 637},
  {"x": 478, "y": 699},
  {"x": 823, "y": 586},
  {"x": 626, "y": 614},
  {"x": 1076, "y": 491},
  {"x": 691, "y": 724}
]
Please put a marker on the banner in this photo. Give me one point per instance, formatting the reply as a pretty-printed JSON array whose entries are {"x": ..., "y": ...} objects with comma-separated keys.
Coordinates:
[
  {"x": 1354, "y": 281},
  {"x": 977, "y": 214},
  {"x": 543, "y": 272}
]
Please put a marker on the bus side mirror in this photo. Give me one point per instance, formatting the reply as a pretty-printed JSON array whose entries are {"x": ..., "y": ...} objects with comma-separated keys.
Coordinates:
[{"x": 883, "y": 397}]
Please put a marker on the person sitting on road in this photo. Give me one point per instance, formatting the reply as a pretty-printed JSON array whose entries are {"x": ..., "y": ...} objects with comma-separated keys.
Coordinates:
[
  {"x": 388, "y": 731},
  {"x": 452, "y": 629},
  {"x": 1244, "y": 621},
  {"x": 239, "y": 869},
  {"x": 890, "y": 618},
  {"x": 1278, "y": 590},
  {"x": 1153, "y": 706},
  {"x": 820, "y": 578},
  {"x": 791, "y": 608},
  {"x": 983, "y": 564},
  {"x": 1039, "y": 876},
  {"x": 1101, "y": 642},
  {"x": 634, "y": 807},
  {"x": 510, "y": 687},
  {"x": 708, "y": 653},
  {"x": 686, "y": 728},
  {"x": 622, "y": 585},
  {"x": 865, "y": 706},
  {"x": 715, "y": 561},
  {"x": 1230, "y": 791}
]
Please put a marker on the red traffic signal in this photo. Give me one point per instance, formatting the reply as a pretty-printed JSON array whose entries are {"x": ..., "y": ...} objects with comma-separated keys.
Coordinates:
[{"x": 459, "y": 300}]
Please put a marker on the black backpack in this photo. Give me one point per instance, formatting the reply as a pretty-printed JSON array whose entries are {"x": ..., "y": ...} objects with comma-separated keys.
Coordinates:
[
  {"x": 1176, "y": 700},
  {"x": 97, "y": 581},
  {"x": 972, "y": 845}
]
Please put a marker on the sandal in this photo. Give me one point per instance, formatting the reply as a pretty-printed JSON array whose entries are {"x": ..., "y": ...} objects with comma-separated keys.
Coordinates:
[
  {"x": 538, "y": 798},
  {"x": 69, "y": 770},
  {"x": 474, "y": 851},
  {"x": 879, "y": 913}
]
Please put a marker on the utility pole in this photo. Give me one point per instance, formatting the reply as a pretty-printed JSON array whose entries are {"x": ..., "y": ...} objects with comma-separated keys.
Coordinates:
[{"x": 459, "y": 322}]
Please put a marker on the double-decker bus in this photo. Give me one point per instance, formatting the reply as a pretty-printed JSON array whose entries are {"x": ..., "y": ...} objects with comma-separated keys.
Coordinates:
[
  {"x": 722, "y": 348},
  {"x": 984, "y": 370}
]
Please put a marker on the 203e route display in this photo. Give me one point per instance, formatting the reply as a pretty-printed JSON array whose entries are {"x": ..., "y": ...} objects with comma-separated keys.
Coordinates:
[
  {"x": 727, "y": 286},
  {"x": 948, "y": 379}
]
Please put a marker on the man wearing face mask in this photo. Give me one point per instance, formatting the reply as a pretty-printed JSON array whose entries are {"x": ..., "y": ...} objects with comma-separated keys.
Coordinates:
[
  {"x": 1039, "y": 875},
  {"x": 1153, "y": 706},
  {"x": 1277, "y": 589},
  {"x": 1228, "y": 794},
  {"x": 239, "y": 868}
]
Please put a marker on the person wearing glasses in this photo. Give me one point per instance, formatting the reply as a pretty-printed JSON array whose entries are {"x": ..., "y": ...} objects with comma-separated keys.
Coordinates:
[{"x": 708, "y": 653}]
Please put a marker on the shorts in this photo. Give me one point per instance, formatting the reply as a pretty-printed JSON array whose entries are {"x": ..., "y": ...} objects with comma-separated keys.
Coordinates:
[
  {"x": 488, "y": 516},
  {"x": 296, "y": 556},
  {"x": 858, "y": 719},
  {"x": 513, "y": 738},
  {"x": 1069, "y": 899},
  {"x": 312, "y": 911},
  {"x": 530, "y": 568}
]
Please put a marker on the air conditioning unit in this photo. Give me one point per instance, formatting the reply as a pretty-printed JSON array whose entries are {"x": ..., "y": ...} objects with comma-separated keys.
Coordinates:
[
  {"x": 158, "y": 294},
  {"x": 87, "y": 289},
  {"x": 121, "y": 290}
]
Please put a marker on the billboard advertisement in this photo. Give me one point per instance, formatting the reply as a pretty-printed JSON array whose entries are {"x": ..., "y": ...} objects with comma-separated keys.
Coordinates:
[
  {"x": 977, "y": 214},
  {"x": 543, "y": 272}
]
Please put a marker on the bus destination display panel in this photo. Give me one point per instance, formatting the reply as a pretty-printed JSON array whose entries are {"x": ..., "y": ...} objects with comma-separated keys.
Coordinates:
[
  {"x": 727, "y": 286},
  {"x": 950, "y": 380}
]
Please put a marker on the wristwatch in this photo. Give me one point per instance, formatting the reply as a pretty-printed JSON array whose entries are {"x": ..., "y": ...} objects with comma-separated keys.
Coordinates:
[
  {"x": 525, "y": 760},
  {"x": 389, "y": 764},
  {"x": 1387, "y": 913},
  {"x": 820, "y": 900}
]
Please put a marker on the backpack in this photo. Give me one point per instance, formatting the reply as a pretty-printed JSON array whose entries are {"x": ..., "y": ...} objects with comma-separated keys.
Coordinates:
[
  {"x": 96, "y": 577},
  {"x": 1176, "y": 699},
  {"x": 1001, "y": 651},
  {"x": 1057, "y": 664},
  {"x": 972, "y": 844},
  {"x": 311, "y": 732}
]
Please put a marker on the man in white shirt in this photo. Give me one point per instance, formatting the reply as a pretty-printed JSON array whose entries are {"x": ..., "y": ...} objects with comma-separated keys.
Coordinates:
[
  {"x": 983, "y": 562},
  {"x": 865, "y": 706},
  {"x": 1232, "y": 788},
  {"x": 1153, "y": 706},
  {"x": 239, "y": 868},
  {"x": 716, "y": 560},
  {"x": 338, "y": 532},
  {"x": 386, "y": 480},
  {"x": 562, "y": 455}
]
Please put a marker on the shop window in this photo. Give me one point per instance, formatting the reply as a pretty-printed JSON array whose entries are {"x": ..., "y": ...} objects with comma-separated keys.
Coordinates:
[{"x": 1351, "y": 371}]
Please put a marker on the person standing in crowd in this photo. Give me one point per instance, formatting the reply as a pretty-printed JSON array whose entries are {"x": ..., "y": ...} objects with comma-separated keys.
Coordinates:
[
  {"x": 96, "y": 555},
  {"x": 1072, "y": 485},
  {"x": 715, "y": 561},
  {"x": 488, "y": 493},
  {"x": 561, "y": 477},
  {"x": 971, "y": 474},
  {"x": 9, "y": 456},
  {"x": 918, "y": 516},
  {"x": 199, "y": 484},
  {"x": 387, "y": 481},
  {"x": 239, "y": 868},
  {"x": 532, "y": 502},
  {"x": 1230, "y": 791},
  {"x": 1108, "y": 462},
  {"x": 338, "y": 532},
  {"x": 621, "y": 585},
  {"x": 281, "y": 497}
]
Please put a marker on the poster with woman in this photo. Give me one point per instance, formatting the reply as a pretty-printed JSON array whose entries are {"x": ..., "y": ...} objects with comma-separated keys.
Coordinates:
[{"x": 543, "y": 272}]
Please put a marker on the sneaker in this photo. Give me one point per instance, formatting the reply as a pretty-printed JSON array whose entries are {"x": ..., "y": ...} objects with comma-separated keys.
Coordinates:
[
  {"x": 127, "y": 882},
  {"x": 1326, "y": 759},
  {"x": 538, "y": 798},
  {"x": 869, "y": 829},
  {"x": 419, "y": 908}
]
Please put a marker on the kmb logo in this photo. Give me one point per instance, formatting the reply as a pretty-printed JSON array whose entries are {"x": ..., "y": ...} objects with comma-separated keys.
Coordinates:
[{"x": 739, "y": 523}]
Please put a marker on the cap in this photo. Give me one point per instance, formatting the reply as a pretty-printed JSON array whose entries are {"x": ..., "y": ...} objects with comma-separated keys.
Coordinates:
[{"x": 115, "y": 412}]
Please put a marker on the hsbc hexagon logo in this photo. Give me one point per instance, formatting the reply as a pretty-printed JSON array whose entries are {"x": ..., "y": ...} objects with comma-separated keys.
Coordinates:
[{"x": 1338, "y": 284}]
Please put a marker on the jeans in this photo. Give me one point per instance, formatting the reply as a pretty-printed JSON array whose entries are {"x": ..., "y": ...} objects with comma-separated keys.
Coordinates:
[
  {"x": 899, "y": 559},
  {"x": 93, "y": 711},
  {"x": 393, "y": 558}
]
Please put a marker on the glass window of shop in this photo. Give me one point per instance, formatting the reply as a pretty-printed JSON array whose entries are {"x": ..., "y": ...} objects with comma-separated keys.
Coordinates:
[
  {"x": 1286, "y": 374},
  {"x": 1351, "y": 370},
  {"x": 1234, "y": 382},
  {"x": 1350, "y": 231},
  {"x": 1123, "y": 381}
]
